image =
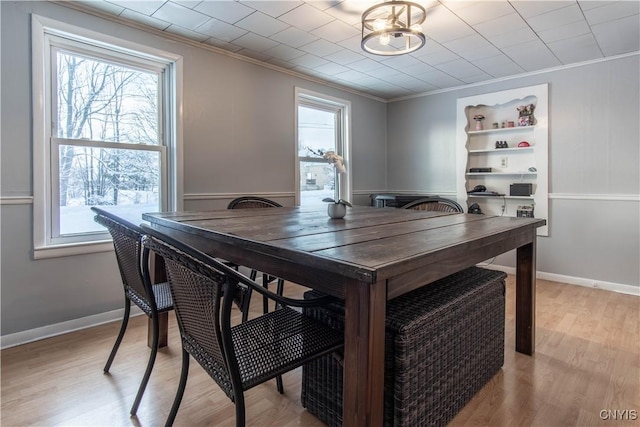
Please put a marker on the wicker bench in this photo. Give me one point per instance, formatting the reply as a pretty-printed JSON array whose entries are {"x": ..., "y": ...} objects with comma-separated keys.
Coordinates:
[{"x": 443, "y": 343}]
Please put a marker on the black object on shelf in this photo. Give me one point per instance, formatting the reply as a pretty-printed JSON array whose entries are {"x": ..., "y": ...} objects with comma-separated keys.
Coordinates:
[
  {"x": 394, "y": 200},
  {"x": 472, "y": 170}
]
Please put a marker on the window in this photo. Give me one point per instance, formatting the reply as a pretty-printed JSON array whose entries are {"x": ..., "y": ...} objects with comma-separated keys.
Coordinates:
[
  {"x": 322, "y": 125},
  {"x": 104, "y": 135}
]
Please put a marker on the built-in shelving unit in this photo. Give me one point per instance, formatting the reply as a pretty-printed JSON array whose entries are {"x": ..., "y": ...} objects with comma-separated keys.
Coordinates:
[{"x": 512, "y": 165}]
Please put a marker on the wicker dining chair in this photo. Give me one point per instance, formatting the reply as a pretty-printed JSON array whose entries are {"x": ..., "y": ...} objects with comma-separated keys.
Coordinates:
[
  {"x": 438, "y": 204},
  {"x": 253, "y": 202},
  {"x": 245, "y": 355},
  {"x": 152, "y": 299}
]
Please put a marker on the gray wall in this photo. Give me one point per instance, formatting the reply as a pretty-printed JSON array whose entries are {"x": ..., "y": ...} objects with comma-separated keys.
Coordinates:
[
  {"x": 238, "y": 139},
  {"x": 593, "y": 160}
]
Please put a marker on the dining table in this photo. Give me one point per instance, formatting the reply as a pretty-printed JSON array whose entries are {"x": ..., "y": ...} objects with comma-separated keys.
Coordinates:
[{"x": 367, "y": 258}]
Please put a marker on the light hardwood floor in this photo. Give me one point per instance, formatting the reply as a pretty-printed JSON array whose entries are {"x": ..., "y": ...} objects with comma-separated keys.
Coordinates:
[{"x": 587, "y": 360}]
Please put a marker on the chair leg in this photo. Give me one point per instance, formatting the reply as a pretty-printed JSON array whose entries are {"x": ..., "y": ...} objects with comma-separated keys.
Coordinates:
[
  {"x": 181, "y": 386},
  {"x": 123, "y": 328},
  {"x": 152, "y": 359},
  {"x": 240, "y": 412},
  {"x": 280, "y": 290},
  {"x": 279, "y": 385}
]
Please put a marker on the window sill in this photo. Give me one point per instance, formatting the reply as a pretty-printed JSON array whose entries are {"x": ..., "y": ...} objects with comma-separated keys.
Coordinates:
[{"x": 58, "y": 251}]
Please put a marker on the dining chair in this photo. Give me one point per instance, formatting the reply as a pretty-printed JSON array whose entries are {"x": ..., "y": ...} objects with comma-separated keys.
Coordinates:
[
  {"x": 253, "y": 202},
  {"x": 245, "y": 355},
  {"x": 438, "y": 204},
  {"x": 152, "y": 299}
]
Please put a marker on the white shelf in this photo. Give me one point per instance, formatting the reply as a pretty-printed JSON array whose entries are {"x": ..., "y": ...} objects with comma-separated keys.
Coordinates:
[
  {"x": 475, "y": 149},
  {"x": 503, "y": 197},
  {"x": 501, "y": 150},
  {"x": 501, "y": 173},
  {"x": 500, "y": 130}
]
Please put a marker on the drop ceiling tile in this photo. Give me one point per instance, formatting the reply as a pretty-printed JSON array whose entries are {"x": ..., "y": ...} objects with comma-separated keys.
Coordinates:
[
  {"x": 324, "y": 4},
  {"x": 336, "y": 31},
  {"x": 439, "y": 79},
  {"x": 346, "y": 57},
  {"x": 255, "y": 42},
  {"x": 590, "y": 4},
  {"x": 468, "y": 43},
  {"x": 498, "y": 66},
  {"x": 611, "y": 11},
  {"x": 273, "y": 8},
  {"x": 576, "y": 49},
  {"x": 384, "y": 73},
  {"x": 480, "y": 76},
  {"x": 144, "y": 7},
  {"x": 532, "y": 8},
  {"x": 504, "y": 24},
  {"x": 417, "y": 69},
  {"x": 230, "y": 47},
  {"x": 261, "y": 24},
  {"x": 352, "y": 75},
  {"x": 565, "y": 32},
  {"x": 280, "y": 63},
  {"x": 184, "y": 32},
  {"x": 227, "y": 11},
  {"x": 221, "y": 30},
  {"x": 531, "y": 56},
  {"x": 353, "y": 44},
  {"x": 400, "y": 61},
  {"x": 443, "y": 25},
  {"x": 407, "y": 81},
  {"x": 512, "y": 38},
  {"x": 349, "y": 11},
  {"x": 477, "y": 12},
  {"x": 556, "y": 18},
  {"x": 366, "y": 65},
  {"x": 187, "y": 3},
  {"x": 284, "y": 52},
  {"x": 331, "y": 69},
  {"x": 306, "y": 18},
  {"x": 309, "y": 61},
  {"x": 460, "y": 69},
  {"x": 434, "y": 53},
  {"x": 180, "y": 15},
  {"x": 104, "y": 6},
  {"x": 321, "y": 48},
  {"x": 620, "y": 36},
  {"x": 144, "y": 19},
  {"x": 294, "y": 37}
]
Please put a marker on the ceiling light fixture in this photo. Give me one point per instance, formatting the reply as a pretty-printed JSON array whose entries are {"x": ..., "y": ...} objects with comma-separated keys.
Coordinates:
[{"x": 393, "y": 28}]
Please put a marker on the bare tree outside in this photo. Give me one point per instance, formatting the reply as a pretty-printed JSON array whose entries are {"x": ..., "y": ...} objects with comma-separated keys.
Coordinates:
[{"x": 100, "y": 103}]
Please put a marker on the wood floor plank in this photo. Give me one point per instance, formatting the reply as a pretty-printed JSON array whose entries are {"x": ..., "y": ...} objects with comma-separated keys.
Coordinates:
[{"x": 587, "y": 359}]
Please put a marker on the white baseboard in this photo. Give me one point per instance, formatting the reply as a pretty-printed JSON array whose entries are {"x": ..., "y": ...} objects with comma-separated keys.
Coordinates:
[
  {"x": 571, "y": 280},
  {"x": 48, "y": 331},
  {"x": 36, "y": 334}
]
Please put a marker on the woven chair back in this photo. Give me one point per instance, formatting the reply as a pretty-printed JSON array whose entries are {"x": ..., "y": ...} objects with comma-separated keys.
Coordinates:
[
  {"x": 250, "y": 202},
  {"x": 197, "y": 290},
  {"x": 435, "y": 204},
  {"x": 128, "y": 247}
]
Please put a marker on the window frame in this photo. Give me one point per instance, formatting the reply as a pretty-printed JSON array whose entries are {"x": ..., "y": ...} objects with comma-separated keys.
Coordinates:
[
  {"x": 307, "y": 98},
  {"x": 49, "y": 35}
]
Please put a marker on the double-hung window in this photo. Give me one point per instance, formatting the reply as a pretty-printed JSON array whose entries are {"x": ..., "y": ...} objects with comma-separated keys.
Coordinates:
[
  {"x": 104, "y": 136},
  {"x": 322, "y": 125}
]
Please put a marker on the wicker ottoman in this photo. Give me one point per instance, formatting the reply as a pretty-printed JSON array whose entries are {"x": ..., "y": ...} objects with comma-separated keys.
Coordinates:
[{"x": 443, "y": 343}]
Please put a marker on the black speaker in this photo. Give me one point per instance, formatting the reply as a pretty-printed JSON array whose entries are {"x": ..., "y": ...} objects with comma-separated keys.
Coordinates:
[{"x": 520, "y": 189}]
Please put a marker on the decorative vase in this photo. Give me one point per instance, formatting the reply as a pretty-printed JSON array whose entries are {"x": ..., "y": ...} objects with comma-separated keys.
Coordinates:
[
  {"x": 479, "y": 125},
  {"x": 336, "y": 210}
]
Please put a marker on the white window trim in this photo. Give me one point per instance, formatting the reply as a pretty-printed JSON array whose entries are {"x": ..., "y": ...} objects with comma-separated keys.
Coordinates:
[
  {"x": 345, "y": 106},
  {"x": 41, "y": 27}
]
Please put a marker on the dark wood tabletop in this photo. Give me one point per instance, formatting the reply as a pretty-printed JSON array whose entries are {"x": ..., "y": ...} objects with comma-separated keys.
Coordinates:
[{"x": 368, "y": 257}]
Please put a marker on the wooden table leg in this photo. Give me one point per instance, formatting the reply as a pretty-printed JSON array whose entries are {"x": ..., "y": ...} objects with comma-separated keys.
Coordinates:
[
  {"x": 163, "y": 328},
  {"x": 363, "y": 380},
  {"x": 526, "y": 298}
]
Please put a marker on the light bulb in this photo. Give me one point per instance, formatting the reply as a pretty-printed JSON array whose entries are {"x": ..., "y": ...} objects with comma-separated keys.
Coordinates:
[
  {"x": 385, "y": 39},
  {"x": 379, "y": 24}
]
